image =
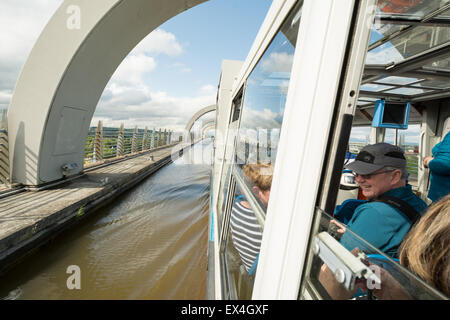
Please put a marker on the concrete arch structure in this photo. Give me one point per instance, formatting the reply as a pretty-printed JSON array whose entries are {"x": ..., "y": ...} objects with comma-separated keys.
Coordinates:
[
  {"x": 211, "y": 122},
  {"x": 64, "y": 76},
  {"x": 206, "y": 129},
  {"x": 197, "y": 116}
]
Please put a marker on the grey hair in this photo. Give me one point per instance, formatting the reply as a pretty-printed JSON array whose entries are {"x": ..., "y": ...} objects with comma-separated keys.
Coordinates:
[{"x": 403, "y": 170}]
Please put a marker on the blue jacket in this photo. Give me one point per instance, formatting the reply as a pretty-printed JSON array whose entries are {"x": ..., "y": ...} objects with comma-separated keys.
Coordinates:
[
  {"x": 440, "y": 170},
  {"x": 380, "y": 224}
]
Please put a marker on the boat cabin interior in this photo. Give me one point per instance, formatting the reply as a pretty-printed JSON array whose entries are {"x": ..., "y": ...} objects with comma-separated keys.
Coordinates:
[{"x": 319, "y": 84}]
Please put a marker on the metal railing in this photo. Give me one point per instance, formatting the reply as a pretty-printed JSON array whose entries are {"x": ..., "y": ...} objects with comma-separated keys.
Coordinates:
[
  {"x": 105, "y": 143},
  {"x": 4, "y": 150},
  {"x": 102, "y": 143}
]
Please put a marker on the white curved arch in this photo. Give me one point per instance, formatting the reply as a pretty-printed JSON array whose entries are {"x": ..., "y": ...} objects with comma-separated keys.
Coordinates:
[
  {"x": 197, "y": 115},
  {"x": 64, "y": 76},
  {"x": 208, "y": 123},
  {"x": 206, "y": 128}
]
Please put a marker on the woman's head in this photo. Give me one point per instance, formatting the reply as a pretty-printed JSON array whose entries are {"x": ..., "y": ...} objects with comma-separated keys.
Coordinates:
[
  {"x": 426, "y": 249},
  {"x": 260, "y": 175}
]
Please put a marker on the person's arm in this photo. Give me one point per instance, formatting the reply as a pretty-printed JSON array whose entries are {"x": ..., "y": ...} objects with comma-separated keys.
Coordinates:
[
  {"x": 372, "y": 223},
  {"x": 336, "y": 290},
  {"x": 390, "y": 288},
  {"x": 440, "y": 165}
]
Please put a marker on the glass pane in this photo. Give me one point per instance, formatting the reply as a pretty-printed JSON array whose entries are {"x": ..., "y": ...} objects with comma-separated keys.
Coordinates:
[
  {"x": 439, "y": 65},
  {"x": 434, "y": 84},
  {"x": 398, "y": 80},
  {"x": 390, "y": 136},
  {"x": 374, "y": 87},
  {"x": 413, "y": 9},
  {"x": 359, "y": 137},
  {"x": 361, "y": 103},
  {"x": 382, "y": 31},
  {"x": 229, "y": 149},
  {"x": 242, "y": 250},
  {"x": 383, "y": 278},
  {"x": 223, "y": 193},
  {"x": 408, "y": 91},
  {"x": 264, "y": 102},
  {"x": 408, "y": 140},
  {"x": 444, "y": 15},
  {"x": 408, "y": 44},
  {"x": 256, "y": 144}
]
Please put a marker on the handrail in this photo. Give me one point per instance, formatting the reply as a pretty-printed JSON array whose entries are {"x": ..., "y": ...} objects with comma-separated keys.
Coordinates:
[{"x": 101, "y": 144}]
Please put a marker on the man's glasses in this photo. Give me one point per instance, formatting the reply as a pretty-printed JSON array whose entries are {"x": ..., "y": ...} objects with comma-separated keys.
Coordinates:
[{"x": 369, "y": 176}]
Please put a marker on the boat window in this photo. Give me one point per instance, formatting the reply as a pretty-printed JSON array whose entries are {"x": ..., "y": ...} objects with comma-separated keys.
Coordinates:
[
  {"x": 264, "y": 102},
  {"x": 407, "y": 61},
  {"x": 359, "y": 137},
  {"x": 229, "y": 146},
  {"x": 237, "y": 104},
  {"x": 335, "y": 273},
  {"x": 437, "y": 65},
  {"x": 256, "y": 141},
  {"x": 408, "y": 51},
  {"x": 243, "y": 244},
  {"x": 223, "y": 192}
]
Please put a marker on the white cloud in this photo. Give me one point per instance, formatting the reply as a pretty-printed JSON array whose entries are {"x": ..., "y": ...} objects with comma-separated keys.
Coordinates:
[
  {"x": 151, "y": 109},
  {"x": 159, "y": 41},
  {"x": 5, "y": 98},
  {"x": 208, "y": 88},
  {"x": 261, "y": 118},
  {"x": 278, "y": 62},
  {"x": 21, "y": 22},
  {"x": 133, "y": 68},
  {"x": 127, "y": 98}
]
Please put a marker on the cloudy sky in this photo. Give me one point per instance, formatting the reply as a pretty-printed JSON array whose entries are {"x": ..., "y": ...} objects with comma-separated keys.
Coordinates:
[{"x": 170, "y": 75}]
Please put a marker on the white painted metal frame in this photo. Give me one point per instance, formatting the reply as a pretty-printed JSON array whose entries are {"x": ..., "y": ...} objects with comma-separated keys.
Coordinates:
[
  {"x": 274, "y": 18},
  {"x": 317, "y": 66},
  {"x": 272, "y": 22}
]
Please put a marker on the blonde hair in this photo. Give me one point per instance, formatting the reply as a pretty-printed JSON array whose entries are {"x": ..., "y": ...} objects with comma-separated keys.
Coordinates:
[
  {"x": 260, "y": 174},
  {"x": 426, "y": 249}
]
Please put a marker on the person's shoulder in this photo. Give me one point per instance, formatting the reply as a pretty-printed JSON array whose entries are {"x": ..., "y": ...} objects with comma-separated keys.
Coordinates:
[
  {"x": 372, "y": 206},
  {"x": 416, "y": 202},
  {"x": 372, "y": 211},
  {"x": 242, "y": 206}
]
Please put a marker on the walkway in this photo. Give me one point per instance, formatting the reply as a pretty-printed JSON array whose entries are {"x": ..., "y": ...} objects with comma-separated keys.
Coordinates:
[{"x": 29, "y": 218}]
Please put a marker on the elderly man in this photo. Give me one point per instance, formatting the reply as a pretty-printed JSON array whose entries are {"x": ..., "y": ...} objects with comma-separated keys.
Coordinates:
[{"x": 383, "y": 221}]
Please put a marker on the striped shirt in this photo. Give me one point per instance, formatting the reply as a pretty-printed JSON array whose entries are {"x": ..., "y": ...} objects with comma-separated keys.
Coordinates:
[{"x": 246, "y": 233}]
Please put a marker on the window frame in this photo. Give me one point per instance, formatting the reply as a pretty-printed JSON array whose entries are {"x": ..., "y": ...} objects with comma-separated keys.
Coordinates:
[
  {"x": 315, "y": 85},
  {"x": 274, "y": 20}
]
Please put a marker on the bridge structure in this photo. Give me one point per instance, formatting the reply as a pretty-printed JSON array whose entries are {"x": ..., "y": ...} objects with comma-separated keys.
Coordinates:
[
  {"x": 200, "y": 113},
  {"x": 50, "y": 114},
  {"x": 64, "y": 76}
]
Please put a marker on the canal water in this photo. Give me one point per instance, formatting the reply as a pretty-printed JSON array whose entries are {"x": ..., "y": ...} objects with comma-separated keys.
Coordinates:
[{"x": 150, "y": 243}]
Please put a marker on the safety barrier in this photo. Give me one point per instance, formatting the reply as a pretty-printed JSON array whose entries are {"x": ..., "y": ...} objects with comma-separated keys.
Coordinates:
[
  {"x": 105, "y": 143},
  {"x": 102, "y": 143},
  {"x": 4, "y": 150}
]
